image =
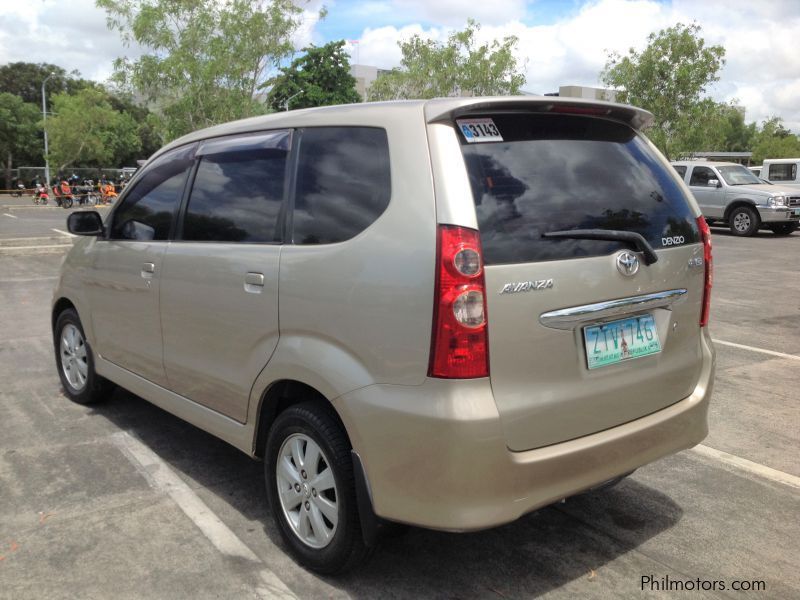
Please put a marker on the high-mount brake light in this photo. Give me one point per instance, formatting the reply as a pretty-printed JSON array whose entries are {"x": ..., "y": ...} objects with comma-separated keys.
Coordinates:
[
  {"x": 459, "y": 343},
  {"x": 705, "y": 234}
]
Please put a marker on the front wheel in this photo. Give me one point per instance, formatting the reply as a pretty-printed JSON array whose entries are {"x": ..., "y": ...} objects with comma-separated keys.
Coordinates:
[
  {"x": 66, "y": 203},
  {"x": 743, "y": 221},
  {"x": 311, "y": 489},
  {"x": 784, "y": 228},
  {"x": 75, "y": 361}
]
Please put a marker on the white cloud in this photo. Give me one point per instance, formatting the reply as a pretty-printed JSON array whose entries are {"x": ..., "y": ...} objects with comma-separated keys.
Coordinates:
[{"x": 762, "y": 70}]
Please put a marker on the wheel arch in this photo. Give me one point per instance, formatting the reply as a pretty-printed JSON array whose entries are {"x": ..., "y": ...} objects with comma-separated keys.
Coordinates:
[
  {"x": 60, "y": 306},
  {"x": 740, "y": 202}
]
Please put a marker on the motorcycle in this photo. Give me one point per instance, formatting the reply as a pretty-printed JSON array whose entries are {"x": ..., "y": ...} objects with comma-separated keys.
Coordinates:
[
  {"x": 40, "y": 195},
  {"x": 19, "y": 191}
]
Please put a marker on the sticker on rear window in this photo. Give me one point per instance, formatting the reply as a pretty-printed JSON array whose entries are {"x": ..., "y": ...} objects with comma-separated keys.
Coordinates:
[{"x": 479, "y": 130}]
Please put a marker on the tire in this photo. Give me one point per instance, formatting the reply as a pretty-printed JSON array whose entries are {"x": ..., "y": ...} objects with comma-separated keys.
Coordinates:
[
  {"x": 743, "y": 221},
  {"x": 313, "y": 538},
  {"x": 75, "y": 361},
  {"x": 66, "y": 203},
  {"x": 784, "y": 228}
]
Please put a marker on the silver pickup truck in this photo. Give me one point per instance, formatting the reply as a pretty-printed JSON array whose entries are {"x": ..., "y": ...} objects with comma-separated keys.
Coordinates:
[{"x": 729, "y": 192}]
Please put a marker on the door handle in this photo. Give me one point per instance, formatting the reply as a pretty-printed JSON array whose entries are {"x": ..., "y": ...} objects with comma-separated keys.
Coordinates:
[
  {"x": 254, "y": 283},
  {"x": 147, "y": 270}
]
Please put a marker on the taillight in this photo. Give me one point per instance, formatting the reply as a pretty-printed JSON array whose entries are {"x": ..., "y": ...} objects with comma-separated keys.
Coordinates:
[
  {"x": 459, "y": 345},
  {"x": 705, "y": 234}
]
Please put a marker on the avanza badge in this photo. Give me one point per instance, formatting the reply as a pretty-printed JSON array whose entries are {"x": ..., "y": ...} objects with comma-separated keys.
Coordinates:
[{"x": 479, "y": 130}]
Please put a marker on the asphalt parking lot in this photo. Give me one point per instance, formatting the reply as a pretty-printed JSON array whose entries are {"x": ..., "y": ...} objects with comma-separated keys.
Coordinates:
[{"x": 123, "y": 500}]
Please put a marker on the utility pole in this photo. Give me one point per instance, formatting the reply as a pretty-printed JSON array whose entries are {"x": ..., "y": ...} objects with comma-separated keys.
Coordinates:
[
  {"x": 286, "y": 102},
  {"x": 44, "y": 120}
]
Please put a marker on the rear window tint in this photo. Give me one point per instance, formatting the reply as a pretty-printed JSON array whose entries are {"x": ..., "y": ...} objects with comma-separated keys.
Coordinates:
[{"x": 554, "y": 173}]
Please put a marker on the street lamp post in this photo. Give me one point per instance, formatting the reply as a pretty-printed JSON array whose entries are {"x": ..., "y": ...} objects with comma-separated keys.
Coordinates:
[
  {"x": 286, "y": 102},
  {"x": 44, "y": 121}
]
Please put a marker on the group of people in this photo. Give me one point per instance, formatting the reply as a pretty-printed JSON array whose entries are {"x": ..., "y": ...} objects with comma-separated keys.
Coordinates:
[{"x": 69, "y": 188}]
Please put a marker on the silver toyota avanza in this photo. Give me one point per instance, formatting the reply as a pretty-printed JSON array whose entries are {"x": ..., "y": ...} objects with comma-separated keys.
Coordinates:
[{"x": 442, "y": 313}]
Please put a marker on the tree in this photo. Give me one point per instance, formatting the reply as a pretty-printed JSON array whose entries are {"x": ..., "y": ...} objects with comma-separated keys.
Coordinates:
[
  {"x": 18, "y": 131},
  {"x": 85, "y": 129},
  {"x": 431, "y": 69},
  {"x": 667, "y": 78},
  {"x": 321, "y": 77},
  {"x": 775, "y": 141},
  {"x": 205, "y": 59},
  {"x": 25, "y": 80}
]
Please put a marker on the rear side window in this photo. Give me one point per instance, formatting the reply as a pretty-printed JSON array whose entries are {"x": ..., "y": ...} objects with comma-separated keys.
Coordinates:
[
  {"x": 681, "y": 170},
  {"x": 343, "y": 183},
  {"x": 782, "y": 172},
  {"x": 237, "y": 197},
  {"x": 148, "y": 209},
  {"x": 555, "y": 173}
]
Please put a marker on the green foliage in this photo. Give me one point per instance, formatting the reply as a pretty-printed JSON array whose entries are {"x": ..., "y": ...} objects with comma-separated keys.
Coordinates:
[
  {"x": 321, "y": 77},
  {"x": 25, "y": 80},
  {"x": 85, "y": 129},
  {"x": 18, "y": 131},
  {"x": 205, "y": 59},
  {"x": 667, "y": 78},
  {"x": 430, "y": 69},
  {"x": 775, "y": 141}
]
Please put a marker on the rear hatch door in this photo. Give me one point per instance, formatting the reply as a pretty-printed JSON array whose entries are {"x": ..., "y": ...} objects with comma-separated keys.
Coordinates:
[{"x": 580, "y": 338}]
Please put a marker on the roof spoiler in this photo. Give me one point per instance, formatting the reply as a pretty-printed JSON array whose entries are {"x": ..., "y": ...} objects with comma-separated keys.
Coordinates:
[{"x": 447, "y": 109}]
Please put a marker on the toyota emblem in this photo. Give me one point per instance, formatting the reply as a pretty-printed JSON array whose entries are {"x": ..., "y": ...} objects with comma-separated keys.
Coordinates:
[{"x": 627, "y": 263}]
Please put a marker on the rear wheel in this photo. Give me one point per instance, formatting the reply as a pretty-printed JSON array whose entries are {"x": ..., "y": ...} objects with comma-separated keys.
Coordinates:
[
  {"x": 783, "y": 228},
  {"x": 743, "y": 221},
  {"x": 66, "y": 203},
  {"x": 75, "y": 362},
  {"x": 311, "y": 489}
]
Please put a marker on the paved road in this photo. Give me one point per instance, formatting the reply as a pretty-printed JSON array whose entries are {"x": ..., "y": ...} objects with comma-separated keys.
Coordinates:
[{"x": 123, "y": 500}]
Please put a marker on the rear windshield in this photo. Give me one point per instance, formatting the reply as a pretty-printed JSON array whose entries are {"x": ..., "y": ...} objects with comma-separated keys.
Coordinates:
[{"x": 555, "y": 173}]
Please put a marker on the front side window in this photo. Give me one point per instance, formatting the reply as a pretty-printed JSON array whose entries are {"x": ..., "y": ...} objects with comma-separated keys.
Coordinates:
[
  {"x": 237, "y": 194},
  {"x": 782, "y": 172},
  {"x": 701, "y": 176},
  {"x": 343, "y": 183},
  {"x": 148, "y": 209}
]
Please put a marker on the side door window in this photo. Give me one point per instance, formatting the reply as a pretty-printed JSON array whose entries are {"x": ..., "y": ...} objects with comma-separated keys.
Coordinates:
[
  {"x": 238, "y": 191},
  {"x": 782, "y": 172},
  {"x": 681, "y": 170},
  {"x": 343, "y": 183},
  {"x": 148, "y": 210},
  {"x": 701, "y": 176}
]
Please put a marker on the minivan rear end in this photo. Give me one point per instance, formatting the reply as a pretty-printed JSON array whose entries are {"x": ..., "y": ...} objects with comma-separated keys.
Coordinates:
[{"x": 569, "y": 341}]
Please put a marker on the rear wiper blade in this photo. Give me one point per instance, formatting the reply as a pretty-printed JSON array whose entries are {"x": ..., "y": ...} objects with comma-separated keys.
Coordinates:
[{"x": 630, "y": 237}]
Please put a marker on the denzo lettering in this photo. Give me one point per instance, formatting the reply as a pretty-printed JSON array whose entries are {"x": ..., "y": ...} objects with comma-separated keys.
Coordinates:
[{"x": 675, "y": 240}]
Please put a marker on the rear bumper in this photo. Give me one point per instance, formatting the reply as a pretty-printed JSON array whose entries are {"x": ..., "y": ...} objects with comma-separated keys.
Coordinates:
[{"x": 435, "y": 455}]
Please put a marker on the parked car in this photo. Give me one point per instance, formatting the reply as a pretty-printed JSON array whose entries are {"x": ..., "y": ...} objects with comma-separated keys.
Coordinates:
[
  {"x": 442, "y": 313},
  {"x": 782, "y": 171},
  {"x": 730, "y": 193},
  {"x": 755, "y": 171}
]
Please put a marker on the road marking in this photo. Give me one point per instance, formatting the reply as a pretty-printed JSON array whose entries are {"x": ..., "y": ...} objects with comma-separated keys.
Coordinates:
[
  {"x": 12, "y": 216},
  {"x": 754, "y": 349},
  {"x": 67, "y": 233},
  {"x": 749, "y": 466},
  {"x": 164, "y": 479}
]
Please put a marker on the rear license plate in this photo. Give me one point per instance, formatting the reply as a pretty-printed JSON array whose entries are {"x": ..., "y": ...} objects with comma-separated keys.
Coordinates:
[{"x": 621, "y": 340}]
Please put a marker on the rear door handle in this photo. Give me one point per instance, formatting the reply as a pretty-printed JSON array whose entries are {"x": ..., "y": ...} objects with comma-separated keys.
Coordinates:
[
  {"x": 254, "y": 283},
  {"x": 147, "y": 270}
]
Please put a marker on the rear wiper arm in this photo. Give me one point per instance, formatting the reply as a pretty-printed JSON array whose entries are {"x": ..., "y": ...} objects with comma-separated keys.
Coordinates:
[{"x": 630, "y": 237}]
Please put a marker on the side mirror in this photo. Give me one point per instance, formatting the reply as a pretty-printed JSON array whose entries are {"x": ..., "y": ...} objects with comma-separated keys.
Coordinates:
[
  {"x": 85, "y": 223},
  {"x": 714, "y": 183}
]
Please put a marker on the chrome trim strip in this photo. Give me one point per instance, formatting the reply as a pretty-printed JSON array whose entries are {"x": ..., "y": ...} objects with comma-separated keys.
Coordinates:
[{"x": 568, "y": 318}]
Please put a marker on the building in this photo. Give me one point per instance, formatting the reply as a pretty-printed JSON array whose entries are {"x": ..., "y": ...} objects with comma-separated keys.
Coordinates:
[
  {"x": 364, "y": 76},
  {"x": 581, "y": 91}
]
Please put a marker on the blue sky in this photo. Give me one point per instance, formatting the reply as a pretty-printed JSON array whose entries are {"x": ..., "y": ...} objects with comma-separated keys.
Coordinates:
[{"x": 561, "y": 42}]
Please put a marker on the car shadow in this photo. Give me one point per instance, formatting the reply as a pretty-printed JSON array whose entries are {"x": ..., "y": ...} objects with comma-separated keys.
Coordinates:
[
  {"x": 724, "y": 231},
  {"x": 531, "y": 556}
]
